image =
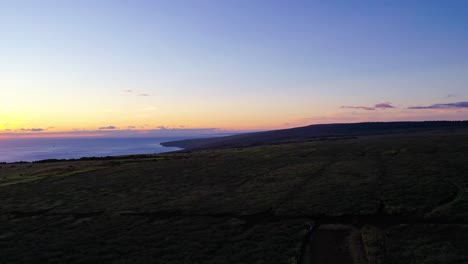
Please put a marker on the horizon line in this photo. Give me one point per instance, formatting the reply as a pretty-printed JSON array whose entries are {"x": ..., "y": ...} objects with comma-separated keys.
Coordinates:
[{"x": 171, "y": 132}]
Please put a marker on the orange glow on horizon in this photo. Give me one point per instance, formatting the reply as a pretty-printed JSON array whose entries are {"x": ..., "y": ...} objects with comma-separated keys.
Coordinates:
[
  {"x": 17, "y": 126},
  {"x": 49, "y": 135}
]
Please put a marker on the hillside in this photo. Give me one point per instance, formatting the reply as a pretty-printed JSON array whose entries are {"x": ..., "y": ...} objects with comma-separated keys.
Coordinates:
[
  {"x": 315, "y": 132},
  {"x": 380, "y": 199}
]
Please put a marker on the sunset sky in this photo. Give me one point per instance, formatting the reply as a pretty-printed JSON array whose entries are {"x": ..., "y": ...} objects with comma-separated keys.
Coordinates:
[{"x": 84, "y": 68}]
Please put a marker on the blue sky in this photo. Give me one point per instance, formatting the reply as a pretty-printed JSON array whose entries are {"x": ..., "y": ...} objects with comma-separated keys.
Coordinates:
[{"x": 228, "y": 64}]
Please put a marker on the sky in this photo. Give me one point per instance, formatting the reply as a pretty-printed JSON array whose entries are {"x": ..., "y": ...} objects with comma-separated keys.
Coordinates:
[{"x": 89, "y": 68}]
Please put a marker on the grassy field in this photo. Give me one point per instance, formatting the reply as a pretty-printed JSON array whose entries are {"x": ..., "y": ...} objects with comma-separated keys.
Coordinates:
[{"x": 395, "y": 198}]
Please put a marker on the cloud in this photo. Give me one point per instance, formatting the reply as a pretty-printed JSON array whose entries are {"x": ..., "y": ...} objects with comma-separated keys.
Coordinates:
[
  {"x": 384, "y": 106},
  {"x": 107, "y": 128},
  {"x": 31, "y": 129},
  {"x": 135, "y": 92},
  {"x": 369, "y": 108},
  {"x": 442, "y": 106},
  {"x": 359, "y": 107}
]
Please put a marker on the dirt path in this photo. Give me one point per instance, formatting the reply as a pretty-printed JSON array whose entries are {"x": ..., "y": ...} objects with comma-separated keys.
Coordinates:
[{"x": 328, "y": 246}]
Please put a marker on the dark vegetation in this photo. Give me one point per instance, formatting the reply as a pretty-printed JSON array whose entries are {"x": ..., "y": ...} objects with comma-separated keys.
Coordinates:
[{"x": 397, "y": 198}]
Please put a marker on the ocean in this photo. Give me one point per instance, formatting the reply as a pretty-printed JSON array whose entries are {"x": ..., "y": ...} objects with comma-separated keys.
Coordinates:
[{"x": 34, "y": 149}]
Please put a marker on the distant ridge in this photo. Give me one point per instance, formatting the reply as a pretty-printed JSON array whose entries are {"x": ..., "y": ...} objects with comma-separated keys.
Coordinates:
[{"x": 314, "y": 132}]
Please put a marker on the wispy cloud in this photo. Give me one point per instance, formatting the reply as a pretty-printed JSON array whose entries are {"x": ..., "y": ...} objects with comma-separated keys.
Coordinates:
[
  {"x": 358, "y": 107},
  {"x": 370, "y": 108},
  {"x": 137, "y": 93},
  {"x": 31, "y": 129},
  {"x": 451, "y": 95},
  {"x": 442, "y": 106},
  {"x": 107, "y": 128}
]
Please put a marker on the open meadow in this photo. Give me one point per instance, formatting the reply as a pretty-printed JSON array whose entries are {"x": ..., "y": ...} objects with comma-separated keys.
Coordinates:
[{"x": 376, "y": 199}]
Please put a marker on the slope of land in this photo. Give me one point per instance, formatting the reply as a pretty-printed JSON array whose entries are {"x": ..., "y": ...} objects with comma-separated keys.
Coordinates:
[
  {"x": 374, "y": 199},
  {"x": 315, "y": 132}
]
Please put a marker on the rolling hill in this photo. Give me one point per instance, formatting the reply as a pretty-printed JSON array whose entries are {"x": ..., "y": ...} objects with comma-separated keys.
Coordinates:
[{"x": 315, "y": 132}]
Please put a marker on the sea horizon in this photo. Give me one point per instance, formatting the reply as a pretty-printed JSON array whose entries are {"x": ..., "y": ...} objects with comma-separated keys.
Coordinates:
[{"x": 37, "y": 149}]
